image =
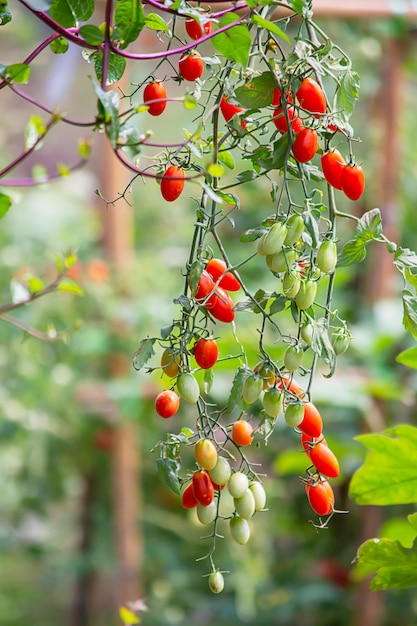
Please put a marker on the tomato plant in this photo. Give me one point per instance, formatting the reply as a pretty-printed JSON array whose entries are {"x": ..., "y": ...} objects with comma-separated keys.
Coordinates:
[
  {"x": 194, "y": 29},
  {"x": 206, "y": 353},
  {"x": 311, "y": 96},
  {"x": 305, "y": 145},
  {"x": 353, "y": 181},
  {"x": 203, "y": 487},
  {"x": 320, "y": 496},
  {"x": 155, "y": 95},
  {"x": 191, "y": 66},
  {"x": 172, "y": 183},
  {"x": 333, "y": 164},
  {"x": 242, "y": 433},
  {"x": 170, "y": 363},
  {"x": 167, "y": 403},
  {"x": 217, "y": 269}
]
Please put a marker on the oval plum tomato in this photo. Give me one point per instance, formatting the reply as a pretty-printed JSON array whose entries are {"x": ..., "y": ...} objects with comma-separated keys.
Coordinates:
[
  {"x": 204, "y": 287},
  {"x": 205, "y": 454},
  {"x": 242, "y": 433},
  {"x": 238, "y": 484},
  {"x": 229, "y": 110},
  {"x": 291, "y": 284},
  {"x": 245, "y": 505},
  {"x": 239, "y": 530},
  {"x": 308, "y": 442},
  {"x": 274, "y": 239},
  {"x": 259, "y": 495},
  {"x": 353, "y": 181},
  {"x": 167, "y": 403},
  {"x": 206, "y": 353},
  {"x": 321, "y": 497},
  {"x": 203, "y": 487},
  {"x": 306, "y": 294},
  {"x": 172, "y": 183},
  {"x": 191, "y": 65},
  {"x": 221, "y": 472},
  {"x": 276, "y": 97},
  {"x": 305, "y": 145},
  {"x": 267, "y": 374},
  {"x": 293, "y": 357},
  {"x": 252, "y": 389},
  {"x": 188, "y": 499},
  {"x": 217, "y": 268},
  {"x": 281, "y": 261},
  {"x": 312, "y": 423},
  {"x": 340, "y": 342},
  {"x": 332, "y": 164},
  {"x": 324, "y": 460},
  {"x": 291, "y": 385},
  {"x": 216, "y": 582},
  {"x": 194, "y": 30},
  {"x": 272, "y": 402},
  {"x": 155, "y": 91},
  {"x": 170, "y": 363},
  {"x": 280, "y": 120},
  {"x": 311, "y": 96},
  {"x": 222, "y": 308},
  {"x": 187, "y": 387},
  {"x": 294, "y": 414},
  {"x": 327, "y": 256},
  {"x": 207, "y": 514},
  {"x": 295, "y": 228}
]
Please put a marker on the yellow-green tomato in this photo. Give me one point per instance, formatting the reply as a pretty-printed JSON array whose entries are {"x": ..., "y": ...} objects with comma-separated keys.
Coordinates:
[
  {"x": 272, "y": 402},
  {"x": 245, "y": 506},
  {"x": 216, "y": 582},
  {"x": 239, "y": 529},
  {"x": 221, "y": 472},
  {"x": 327, "y": 256},
  {"x": 205, "y": 454},
  {"x": 306, "y": 294},
  {"x": 274, "y": 238},
  {"x": 293, "y": 357},
  {"x": 238, "y": 484},
  {"x": 187, "y": 387},
  {"x": 294, "y": 414},
  {"x": 259, "y": 495},
  {"x": 252, "y": 388},
  {"x": 295, "y": 228},
  {"x": 281, "y": 261},
  {"x": 260, "y": 245},
  {"x": 207, "y": 514},
  {"x": 307, "y": 333},
  {"x": 291, "y": 284},
  {"x": 340, "y": 342}
]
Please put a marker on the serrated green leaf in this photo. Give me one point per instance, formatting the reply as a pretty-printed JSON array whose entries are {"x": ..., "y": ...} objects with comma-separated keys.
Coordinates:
[
  {"x": 227, "y": 159},
  {"x": 69, "y": 12},
  {"x": 312, "y": 227},
  {"x": 235, "y": 397},
  {"x": 347, "y": 94},
  {"x": 369, "y": 226},
  {"x": 389, "y": 474},
  {"x": 410, "y": 313},
  {"x": 403, "y": 257},
  {"x": 354, "y": 251},
  {"x": 408, "y": 357},
  {"x": 271, "y": 26},
  {"x": 5, "y": 204},
  {"x": 155, "y": 22},
  {"x": 129, "y": 21},
  {"x": 5, "y": 15},
  {"x": 59, "y": 45},
  {"x": 257, "y": 94},
  {"x": 108, "y": 105},
  {"x": 35, "y": 129},
  {"x": 278, "y": 304},
  {"x": 67, "y": 284},
  {"x": 115, "y": 69},
  {"x": 168, "y": 469},
  {"x": 234, "y": 43},
  {"x": 92, "y": 34},
  {"x": 144, "y": 352},
  {"x": 128, "y": 618},
  {"x": 395, "y": 566},
  {"x": 253, "y": 234}
]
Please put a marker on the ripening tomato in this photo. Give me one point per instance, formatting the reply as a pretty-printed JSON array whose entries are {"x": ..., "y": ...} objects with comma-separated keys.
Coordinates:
[
  {"x": 305, "y": 145},
  {"x": 154, "y": 95},
  {"x": 267, "y": 374},
  {"x": 272, "y": 402},
  {"x": 332, "y": 164},
  {"x": 353, "y": 181},
  {"x": 205, "y": 454},
  {"x": 280, "y": 120},
  {"x": 167, "y": 403},
  {"x": 206, "y": 353},
  {"x": 191, "y": 65},
  {"x": 340, "y": 341},
  {"x": 311, "y": 96},
  {"x": 312, "y": 423},
  {"x": 242, "y": 433},
  {"x": 239, "y": 529},
  {"x": 308, "y": 442},
  {"x": 207, "y": 514},
  {"x": 321, "y": 497},
  {"x": 222, "y": 308},
  {"x": 188, "y": 499},
  {"x": 170, "y": 363},
  {"x": 291, "y": 284},
  {"x": 229, "y": 110},
  {"x": 276, "y": 97},
  {"x": 228, "y": 281},
  {"x": 307, "y": 333},
  {"x": 245, "y": 505},
  {"x": 274, "y": 239},
  {"x": 294, "y": 414},
  {"x": 194, "y": 30},
  {"x": 281, "y": 261},
  {"x": 203, "y": 487},
  {"x": 205, "y": 287},
  {"x": 327, "y": 256},
  {"x": 216, "y": 582},
  {"x": 172, "y": 183},
  {"x": 291, "y": 385},
  {"x": 238, "y": 484},
  {"x": 324, "y": 460}
]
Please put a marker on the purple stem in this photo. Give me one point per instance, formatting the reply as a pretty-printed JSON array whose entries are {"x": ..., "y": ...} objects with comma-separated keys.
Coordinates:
[
  {"x": 34, "y": 54},
  {"x": 135, "y": 170},
  {"x": 27, "y": 152},
  {"x": 32, "y": 182},
  {"x": 107, "y": 41}
]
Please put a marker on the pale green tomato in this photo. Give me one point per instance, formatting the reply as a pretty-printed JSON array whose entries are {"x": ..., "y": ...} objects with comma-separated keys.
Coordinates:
[
  {"x": 245, "y": 506},
  {"x": 307, "y": 333},
  {"x": 272, "y": 402},
  {"x": 259, "y": 495},
  {"x": 239, "y": 529},
  {"x": 207, "y": 514},
  {"x": 327, "y": 256},
  {"x": 306, "y": 294},
  {"x": 274, "y": 238},
  {"x": 293, "y": 357},
  {"x": 340, "y": 342},
  {"x": 294, "y": 414},
  {"x": 238, "y": 484},
  {"x": 282, "y": 261},
  {"x": 252, "y": 388},
  {"x": 291, "y": 284},
  {"x": 221, "y": 472},
  {"x": 216, "y": 582},
  {"x": 260, "y": 245},
  {"x": 188, "y": 388},
  {"x": 295, "y": 226}
]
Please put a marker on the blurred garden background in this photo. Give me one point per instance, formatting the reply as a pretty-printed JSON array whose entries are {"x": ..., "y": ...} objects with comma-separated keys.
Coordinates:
[{"x": 86, "y": 523}]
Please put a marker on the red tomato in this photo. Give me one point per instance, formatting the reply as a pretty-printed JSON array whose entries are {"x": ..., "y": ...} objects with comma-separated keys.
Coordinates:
[
  {"x": 167, "y": 403},
  {"x": 292, "y": 386},
  {"x": 280, "y": 121},
  {"x": 191, "y": 65},
  {"x": 172, "y": 183},
  {"x": 206, "y": 353},
  {"x": 276, "y": 97},
  {"x": 332, "y": 164},
  {"x": 217, "y": 267},
  {"x": 204, "y": 287},
  {"x": 193, "y": 28},
  {"x": 222, "y": 308},
  {"x": 312, "y": 423},
  {"x": 203, "y": 487},
  {"x": 321, "y": 497},
  {"x": 309, "y": 442},
  {"x": 353, "y": 181},
  {"x": 229, "y": 110},
  {"x": 324, "y": 460},
  {"x": 188, "y": 499},
  {"x": 311, "y": 96},
  {"x": 305, "y": 145},
  {"x": 157, "y": 92},
  {"x": 242, "y": 433}
]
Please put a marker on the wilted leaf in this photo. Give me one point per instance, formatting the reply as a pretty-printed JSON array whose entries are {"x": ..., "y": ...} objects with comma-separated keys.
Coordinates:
[{"x": 144, "y": 352}]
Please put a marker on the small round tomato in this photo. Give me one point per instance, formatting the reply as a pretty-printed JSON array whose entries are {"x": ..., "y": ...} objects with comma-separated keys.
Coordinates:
[
  {"x": 187, "y": 387},
  {"x": 167, "y": 403},
  {"x": 252, "y": 388},
  {"x": 238, "y": 484},
  {"x": 332, "y": 164},
  {"x": 312, "y": 423},
  {"x": 205, "y": 454},
  {"x": 228, "y": 281},
  {"x": 154, "y": 95},
  {"x": 170, "y": 363},
  {"x": 280, "y": 120},
  {"x": 324, "y": 460},
  {"x": 293, "y": 357},
  {"x": 272, "y": 402},
  {"x": 245, "y": 505},
  {"x": 206, "y": 353},
  {"x": 216, "y": 582},
  {"x": 306, "y": 294},
  {"x": 311, "y": 96},
  {"x": 258, "y": 494},
  {"x": 327, "y": 256},
  {"x": 242, "y": 433},
  {"x": 188, "y": 499},
  {"x": 203, "y": 487},
  {"x": 191, "y": 65},
  {"x": 222, "y": 308},
  {"x": 221, "y": 472},
  {"x": 294, "y": 414},
  {"x": 353, "y": 181},
  {"x": 305, "y": 145},
  {"x": 205, "y": 287},
  {"x": 172, "y": 183},
  {"x": 194, "y": 30},
  {"x": 295, "y": 228},
  {"x": 239, "y": 530},
  {"x": 229, "y": 110},
  {"x": 321, "y": 497}
]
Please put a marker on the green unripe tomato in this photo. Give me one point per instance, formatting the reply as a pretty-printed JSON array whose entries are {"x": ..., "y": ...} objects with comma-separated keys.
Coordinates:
[
  {"x": 274, "y": 238},
  {"x": 260, "y": 245},
  {"x": 221, "y": 472},
  {"x": 216, "y": 582},
  {"x": 187, "y": 387},
  {"x": 294, "y": 414},
  {"x": 252, "y": 388},
  {"x": 340, "y": 342},
  {"x": 293, "y": 357},
  {"x": 295, "y": 227},
  {"x": 281, "y": 261},
  {"x": 245, "y": 506},
  {"x": 272, "y": 402},
  {"x": 239, "y": 529},
  {"x": 259, "y": 495},
  {"x": 238, "y": 484},
  {"x": 307, "y": 333},
  {"x": 327, "y": 256},
  {"x": 207, "y": 514},
  {"x": 306, "y": 294},
  {"x": 291, "y": 284}
]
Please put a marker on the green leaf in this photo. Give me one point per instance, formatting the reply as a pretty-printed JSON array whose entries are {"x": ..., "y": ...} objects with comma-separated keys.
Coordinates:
[
  {"x": 35, "y": 284},
  {"x": 59, "y": 45},
  {"x": 108, "y": 106},
  {"x": 5, "y": 15},
  {"x": 208, "y": 380},
  {"x": 271, "y": 26},
  {"x": 92, "y": 34},
  {"x": 155, "y": 22},
  {"x": 67, "y": 284},
  {"x": 253, "y": 234},
  {"x": 258, "y": 93},
  {"x": 69, "y": 12},
  {"x": 128, "y": 617},
  {"x": 168, "y": 469},
  {"x": 299, "y": 5},
  {"x": 234, "y": 43},
  {"x": 215, "y": 170},
  {"x": 278, "y": 304},
  {"x": 227, "y": 159},
  {"x": 129, "y": 21},
  {"x": 403, "y": 257},
  {"x": 389, "y": 473},
  {"x": 129, "y": 140},
  {"x": 35, "y": 129},
  {"x": 408, "y": 357},
  {"x": 195, "y": 274},
  {"x": 312, "y": 227},
  {"x": 235, "y": 397},
  {"x": 410, "y": 313},
  {"x": 246, "y": 176},
  {"x": 369, "y": 226},
  {"x": 16, "y": 73},
  {"x": 144, "y": 352},
  {"x": 354, "y": 251},
  {"x": 347, "y": 94},
  {"x": 5, "y": 204},
  {"x": 255, "y": 305},
  {"x": 116, "y": 67},
  {"x": 395, "y": 566},
  {"x": 189, "y": 102}
]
